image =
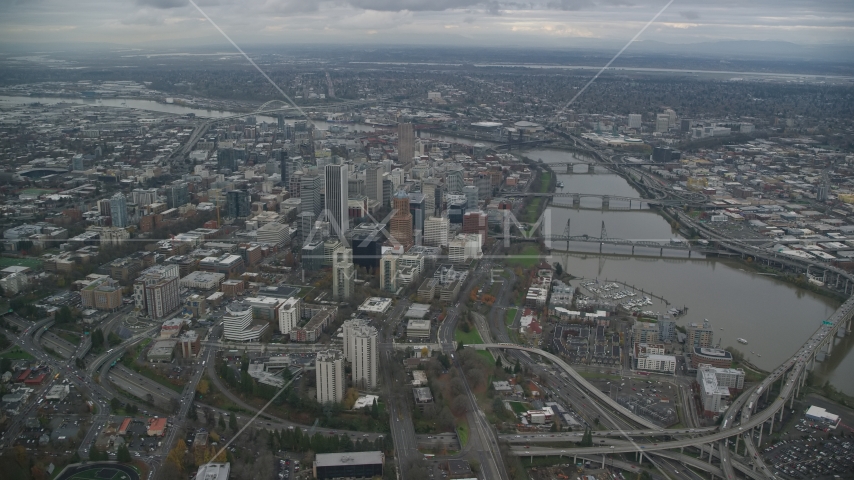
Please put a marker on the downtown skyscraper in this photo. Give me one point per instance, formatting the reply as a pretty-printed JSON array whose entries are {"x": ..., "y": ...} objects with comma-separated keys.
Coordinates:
[{"x": 337, "y": 191}]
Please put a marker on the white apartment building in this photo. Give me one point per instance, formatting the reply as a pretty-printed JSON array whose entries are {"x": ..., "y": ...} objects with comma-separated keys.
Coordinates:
[
  {"x": 726, "y": 377},
  {"x": 436, "y": 231},
  {"x": 289, "y": 315},
  {"x": 712, "y": 395},
  {"x": 329, "y": 375},
  {"x": 657, "y": 363},
  {"x": 635, "y": 120},
  {"x": 363, "y": 348}
]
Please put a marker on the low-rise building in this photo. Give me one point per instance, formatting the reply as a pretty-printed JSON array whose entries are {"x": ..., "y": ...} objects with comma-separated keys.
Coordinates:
[
  {"x": 715, "y": 357},
  {"x": 423, "y": 397},
  {"x": 348, "y": 465},
  {"x": 418, "y": 329},
  {"x": 103, "y": 293},
  {"x": 162, "y": 351},
  {"x": 190, "y": 343},
  {"x": 376, "y": 305},
  {"x": 214, "y": 471},
  {"x": 203, "y": 280},
  {"x": 312, "y": 330}
]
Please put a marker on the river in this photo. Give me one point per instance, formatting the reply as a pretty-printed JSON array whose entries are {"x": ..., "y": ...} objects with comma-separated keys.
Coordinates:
[{"x": 775, "y": 317}]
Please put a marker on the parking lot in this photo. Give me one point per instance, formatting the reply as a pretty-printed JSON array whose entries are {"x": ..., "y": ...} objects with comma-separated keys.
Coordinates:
[{"x": 817, "y": 457}]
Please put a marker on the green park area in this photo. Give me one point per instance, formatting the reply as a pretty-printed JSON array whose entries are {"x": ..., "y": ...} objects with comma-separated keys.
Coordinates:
[
  {"x": 468, "y": 338},
  {"x": 519, "y": 407},
  {"x": 17, "y": 354},
  {"x": 20, "y": 262},
  {"x": 510, "y": 316},
  {"x": 527, "y": 258},
  {"x": 488, "y": 356},
  {"x": 463, "y": 433}
]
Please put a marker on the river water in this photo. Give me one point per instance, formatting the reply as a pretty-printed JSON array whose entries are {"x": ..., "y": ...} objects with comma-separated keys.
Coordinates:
[{"x": 774, "y": 316}]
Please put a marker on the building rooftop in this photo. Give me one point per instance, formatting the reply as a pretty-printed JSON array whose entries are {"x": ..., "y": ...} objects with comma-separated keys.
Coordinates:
[
  {"x": 349, "y": 458},
  {"x": 214, "y": 471}
]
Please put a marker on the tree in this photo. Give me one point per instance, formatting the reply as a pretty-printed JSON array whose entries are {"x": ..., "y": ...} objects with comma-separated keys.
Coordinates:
[
  {"x": 221, "y": 422},
  {"x": 375, "y": 410},
  {"x": 115, "y": 403},
  {"x": 558, "y": 269},
  {"x": 232, "y": 422},
  {"x": 193, "y": 414},
  {"x": 123, "y": 454}
]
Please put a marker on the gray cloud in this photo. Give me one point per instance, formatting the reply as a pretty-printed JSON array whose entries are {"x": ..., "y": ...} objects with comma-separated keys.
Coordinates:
[
  {"x": 412, "y": 5},
  {"x": 570, "y": 5},
  {"x": 162, "y": 3},
  {"x": 690, "y": 14}
]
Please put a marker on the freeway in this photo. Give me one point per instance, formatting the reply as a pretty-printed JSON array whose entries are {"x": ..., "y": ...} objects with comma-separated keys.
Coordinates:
[
  {"x": 28, "y": 341},
  {"x": 796, "y": 364},
  {"x": 578, "y": 379}
]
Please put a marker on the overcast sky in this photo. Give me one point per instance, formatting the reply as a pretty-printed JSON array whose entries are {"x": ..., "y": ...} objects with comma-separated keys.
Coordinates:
[{"x": 550, "y": 23}]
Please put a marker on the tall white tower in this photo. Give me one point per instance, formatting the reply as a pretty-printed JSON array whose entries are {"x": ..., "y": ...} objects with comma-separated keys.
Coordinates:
[
  {"x": 329, "y": 374},
  {"x": 365, "y": 356}
]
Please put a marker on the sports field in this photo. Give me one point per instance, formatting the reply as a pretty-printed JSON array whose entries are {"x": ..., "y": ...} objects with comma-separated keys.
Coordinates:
[
  {"x": 20, "y": 262},
  {"x": 100, "y": 471}
]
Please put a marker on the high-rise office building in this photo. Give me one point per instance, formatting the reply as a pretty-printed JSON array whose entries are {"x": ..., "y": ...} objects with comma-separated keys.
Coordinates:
[
  {"x": 177, "y": 195},
  {"x": 662, "y": 122},
  {"x": 476, "y": 222},
  {"x": 77, "y": 162},
  {"x": 329, "y": 376},
  {"x": 472, "y": 196},
  {"x": 310, "y": 194},
  {"x": 436, "y": 230},
  {"x": 671, "y": 116},
  {"x": 483, "y": 181},
  {"x": 287, "y": 165},
  {"x": 401, "y": 221},
  {"x": 454, "y": 179},
  {"x": 418, "y": 210},
  {"x": 363, "y": 348},
  {"x": 432, "y": 196},
  {"x": 374, "y": 182},
  {"x": 238, "y": 204},
  {"x": 406, "y": 145},
  {"x": 104, "y": 207},
  {"x": 635, "y": 121},
  {"x": 143, "y": 196},
  {"x": 290, "y": 314},
  {"x": 226, "y": 159},
  {"x": 388, "y": 191},
  {"x": 367, "y": 240},
  {"x": 388, "y": 273},
  {"x": 337, "y": 190},
  {"x": 343, "y": 273},
  {"x": 119, "y": 210}
]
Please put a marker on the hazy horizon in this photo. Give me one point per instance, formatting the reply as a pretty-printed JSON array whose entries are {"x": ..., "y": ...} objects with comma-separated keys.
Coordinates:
[{"x": 550, "y": 24}]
